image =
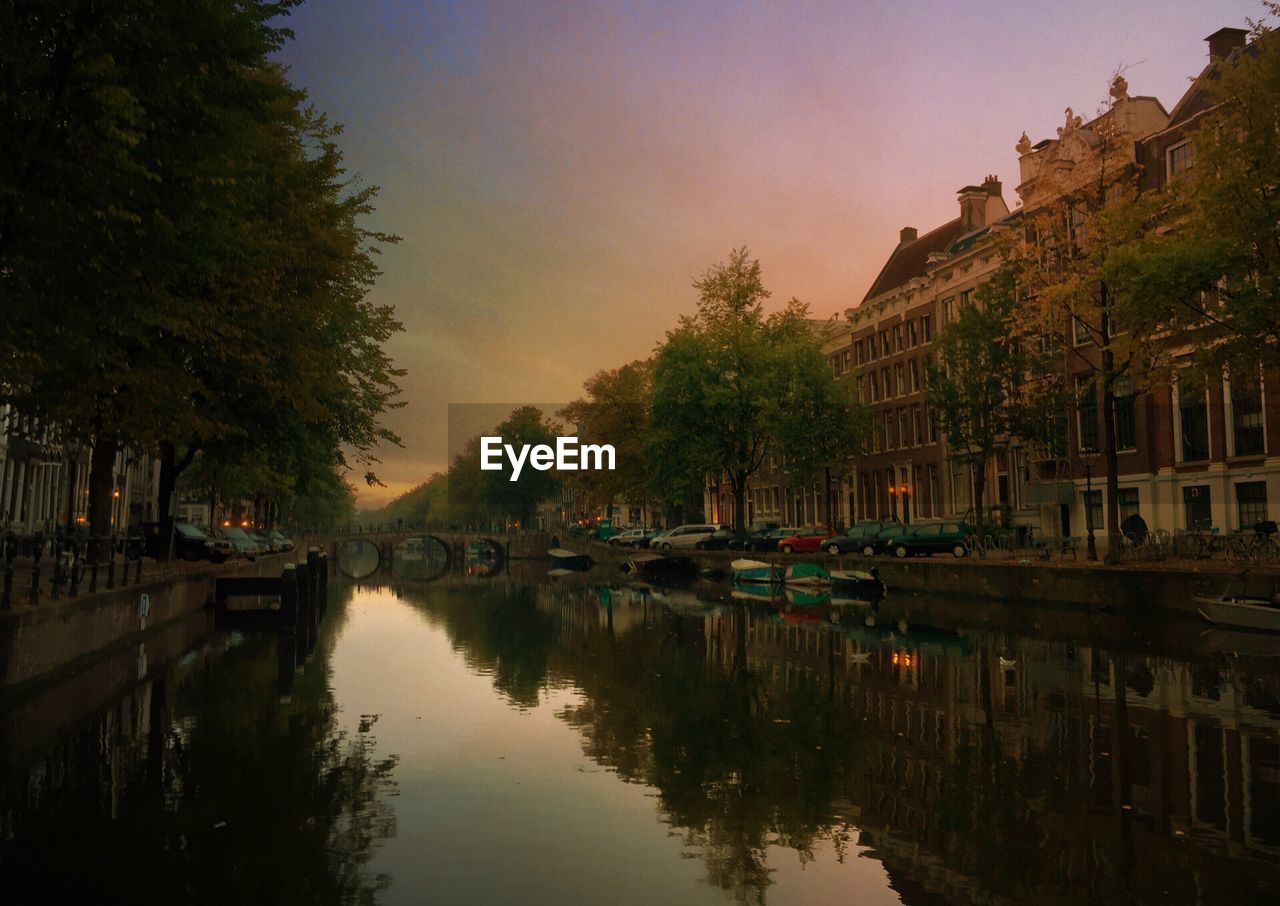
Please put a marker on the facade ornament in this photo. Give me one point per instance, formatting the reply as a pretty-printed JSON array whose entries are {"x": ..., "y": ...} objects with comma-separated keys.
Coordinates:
[
  {"x": 1073, "y": 122},
  {"x": 1120, "y": 88},
  {"x": 1024, "y": 144}
]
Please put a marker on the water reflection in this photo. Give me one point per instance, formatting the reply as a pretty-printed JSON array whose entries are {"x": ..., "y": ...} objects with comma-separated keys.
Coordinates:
[
  {"x": 974, "y": 764},
  {"x": 795, "y": 751},
  {"x": 222, "y": 778}
]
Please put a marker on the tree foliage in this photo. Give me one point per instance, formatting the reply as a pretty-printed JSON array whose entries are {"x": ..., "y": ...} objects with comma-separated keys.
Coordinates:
[
  {"x": 733, "y": 386},
  {"x": 615, "y": 411}
]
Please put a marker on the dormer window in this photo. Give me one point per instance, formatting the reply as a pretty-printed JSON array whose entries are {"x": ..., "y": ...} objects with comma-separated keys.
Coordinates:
[{"x": 1180, "y": 160}]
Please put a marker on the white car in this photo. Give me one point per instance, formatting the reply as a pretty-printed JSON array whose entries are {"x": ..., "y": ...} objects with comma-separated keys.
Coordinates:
[{"x": 684, "y": 536}]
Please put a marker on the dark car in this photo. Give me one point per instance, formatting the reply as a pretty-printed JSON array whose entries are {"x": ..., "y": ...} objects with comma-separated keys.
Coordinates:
[
  {"x": 765, "y": 539},
  {"x": 718, "y": 541},
  {"x": 854, "y": 539},
  {"x": 636, "y": 538},
  {"x": 931, "y": 538},
  {"x": 879, "y": 542}
]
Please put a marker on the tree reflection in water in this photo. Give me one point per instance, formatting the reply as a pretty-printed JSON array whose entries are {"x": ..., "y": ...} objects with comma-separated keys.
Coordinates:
[
  {"x": 204, "y": 785},
  {"x": 982, "y": 765}
]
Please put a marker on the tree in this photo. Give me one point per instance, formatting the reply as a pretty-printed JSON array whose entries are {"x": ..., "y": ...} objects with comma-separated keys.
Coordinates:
[
  {"x": 731, "y": 386},
  {"x": 166, "y": 185},
  {"x": 616, "y": 412},
  {"x": 478, "y": 495},
  {"x": 1213, "y": 267},
  {"x": 989, "y": 383}
]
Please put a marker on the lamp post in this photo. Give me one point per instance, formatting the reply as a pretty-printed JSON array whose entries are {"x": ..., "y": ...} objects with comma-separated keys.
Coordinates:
[{"x": 1087, "y": 459}]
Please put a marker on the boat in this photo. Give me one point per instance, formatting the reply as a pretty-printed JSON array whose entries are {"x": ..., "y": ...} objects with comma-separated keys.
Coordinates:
[
  {"x": 1251, "y": 604},
  {"x": 807, "y": 574},
  {"x": 658, "y": 566},
  {"x": 567, "y": 559},
  {"x": 858, "y": 583},
  {"x": 757, "y": 591},
  {"x": 755, "y": 571}
]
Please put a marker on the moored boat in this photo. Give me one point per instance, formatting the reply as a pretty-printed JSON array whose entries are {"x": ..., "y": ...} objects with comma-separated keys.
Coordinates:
[
  {"x": 807, "y": 574},
  {"x": 567, "y": 559},
  {"x": 807, "y": 595},
  {"x": 858, "y": 583},
  {"x": 658, "y": 566},
  {"x": 1251, "y": 604},
  {"x": 755, "y": 571}
]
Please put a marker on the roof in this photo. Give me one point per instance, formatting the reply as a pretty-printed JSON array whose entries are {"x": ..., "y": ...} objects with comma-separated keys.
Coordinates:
[{"x": 908, "y": 261}]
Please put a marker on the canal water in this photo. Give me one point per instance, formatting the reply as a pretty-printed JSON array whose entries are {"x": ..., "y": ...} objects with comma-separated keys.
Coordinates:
[{"x": 497, "y": 740}]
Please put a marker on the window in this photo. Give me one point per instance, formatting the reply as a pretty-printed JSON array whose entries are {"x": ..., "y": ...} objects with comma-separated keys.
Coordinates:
[
  {"x": 888, "y": 430},
  {"x": 862, "y": 389},
  {"x": 904, "y": 429},
  {"x": 897, "y": 337},
  {"x": 859, "y": 352},
  {"x": 917, "y": 426},
  {"x": 884, "y": 343},
  {"x": 1127, "y": 498},
  {"x": 912, "y": 338},
  {"x": 888, "y": 383},
  {"x": 1196, "y": 505},
  {"x": 966, "y": 297},
  {"x": 1194, "y": 418},
  {"x": 926, "y": 328},
  {"x": 915, "y": 376},
  {"x": 1093, "y": 511},
  {"x": 1087, "y": 414},
  {"x": 932, "y": 423},
  {"x": 1124, "y": 399},
  {"x": 871, "y": 348},
  {"x": 948, "y": 310},
  {"x": 1079, "y": 332},
  {"x": 899, "y": 378},
  {"x": 875, "y": 387},
  {"x": 1180, "y": 160},
  {"x": 1251, "y": 498},
  {"x": 1246, "y": 415}
]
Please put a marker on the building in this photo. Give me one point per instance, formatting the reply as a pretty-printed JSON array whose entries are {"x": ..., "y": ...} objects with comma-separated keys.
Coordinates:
[{"x": 906, "y": 474}]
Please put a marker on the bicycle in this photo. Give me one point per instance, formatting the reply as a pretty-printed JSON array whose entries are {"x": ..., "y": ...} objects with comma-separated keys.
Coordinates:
[{"x": 1252, "y": 547}]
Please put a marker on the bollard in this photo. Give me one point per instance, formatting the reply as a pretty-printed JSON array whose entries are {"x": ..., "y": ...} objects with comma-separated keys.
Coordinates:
[
  {"x": 10, "y": 549},
  {"x": 289, "y": 598},
  {"x": 35, "y": 569},
  {"x": 111, "y": 567},
  {"x": 124, "y": 571},
  {"x": 59, "y": 572}
]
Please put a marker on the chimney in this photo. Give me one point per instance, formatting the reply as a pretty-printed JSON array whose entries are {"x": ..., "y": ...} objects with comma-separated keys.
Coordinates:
[
  {"x": 993, "y": 186},
  {"x": 908, "y": 234},
  {"x": 1223, "y": 41},
  {"x": 973, "y": 208}
]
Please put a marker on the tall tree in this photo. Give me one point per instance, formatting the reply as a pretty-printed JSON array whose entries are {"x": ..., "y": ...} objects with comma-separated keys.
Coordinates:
[
  {"x": 732, "y": 385},
  {"x": 615, "y": 411},
  {"x": 989, "y": 382}
]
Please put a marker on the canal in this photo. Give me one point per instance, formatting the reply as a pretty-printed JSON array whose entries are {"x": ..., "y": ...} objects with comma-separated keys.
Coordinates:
[{"x": 500, "y": 740}]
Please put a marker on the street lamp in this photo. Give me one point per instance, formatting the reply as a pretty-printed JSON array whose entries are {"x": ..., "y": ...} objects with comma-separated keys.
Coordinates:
[{"x": 1088, "y": 458}]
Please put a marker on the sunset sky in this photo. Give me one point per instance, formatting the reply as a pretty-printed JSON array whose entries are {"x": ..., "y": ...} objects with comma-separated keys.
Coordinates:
[{"x": 559, "y": 172}]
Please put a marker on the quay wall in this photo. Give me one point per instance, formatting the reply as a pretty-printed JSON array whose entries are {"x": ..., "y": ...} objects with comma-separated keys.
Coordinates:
[{"x": 54, "y": 637}]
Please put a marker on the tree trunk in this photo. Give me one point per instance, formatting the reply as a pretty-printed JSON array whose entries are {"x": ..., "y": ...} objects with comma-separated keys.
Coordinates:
[
  {"x": 1109, "y": 453},
  {"x": 166, "y": 495},
  {"x": 979, "y": 486},
  {"x": 213, "y": 506},
  {"x": 101, "y": 485},
  {"x": 738, "y": 480}
]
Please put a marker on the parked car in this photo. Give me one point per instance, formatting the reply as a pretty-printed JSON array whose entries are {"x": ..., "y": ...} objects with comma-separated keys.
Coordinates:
[
  {"x": 879, "y": 542},
  {"x": 191, "y": 543},
  {"x": 718, "y": 540},
  {"x": 265, "y": 541},
  {"x": 854, "y": 538},
  {"x": 245, "y": 545},
  {"x": 285, "y": 542},
  {"x": 631, "y": 538},
  {"x": 684, "y": 536},
  {"x": 807, "y": 540},
  {"x": 931, "y": 538},
  {"x": 765, "y": 539}
]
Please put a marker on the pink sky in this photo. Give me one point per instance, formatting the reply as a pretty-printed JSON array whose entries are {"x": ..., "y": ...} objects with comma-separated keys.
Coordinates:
[{"x": 560, "y": 172}]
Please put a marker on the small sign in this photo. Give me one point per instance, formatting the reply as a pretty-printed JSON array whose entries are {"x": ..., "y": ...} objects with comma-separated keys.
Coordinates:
[{"x": 144, "y": 608}]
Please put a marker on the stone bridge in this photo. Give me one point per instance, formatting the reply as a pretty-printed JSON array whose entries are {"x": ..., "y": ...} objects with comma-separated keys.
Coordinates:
[{"x": 518, "y": 546}]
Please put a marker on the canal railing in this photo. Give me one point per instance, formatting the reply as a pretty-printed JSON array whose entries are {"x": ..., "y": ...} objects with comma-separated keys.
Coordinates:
[{"x": 67, "y": 564}]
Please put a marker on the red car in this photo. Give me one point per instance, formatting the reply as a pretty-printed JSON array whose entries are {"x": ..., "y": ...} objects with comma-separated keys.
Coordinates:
[{"x": 805, "y": 541}]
